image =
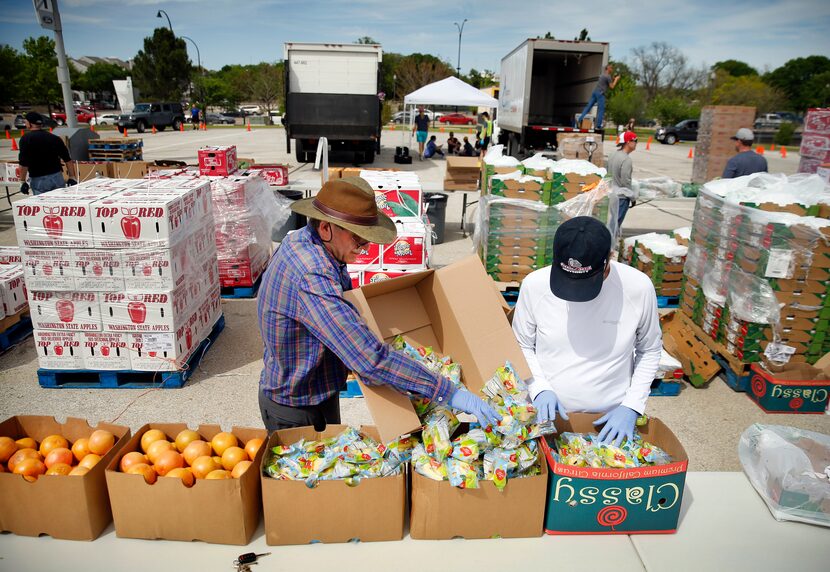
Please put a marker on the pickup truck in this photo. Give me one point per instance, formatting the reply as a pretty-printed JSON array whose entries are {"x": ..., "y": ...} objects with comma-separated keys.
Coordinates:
[{"x": 146, "y": 115}]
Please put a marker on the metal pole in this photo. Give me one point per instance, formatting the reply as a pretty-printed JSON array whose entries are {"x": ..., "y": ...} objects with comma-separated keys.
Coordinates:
[
  {"x": 169, "y": 25},
  {"x": 63, "y": 72},
  {"x": 199, "y": 63},
  {"x": 460, "y": 31}
]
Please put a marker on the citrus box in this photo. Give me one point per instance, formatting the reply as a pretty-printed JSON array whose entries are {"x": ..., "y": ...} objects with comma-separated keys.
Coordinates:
[
  {"x": 332, "y": 511},
  {"x": 221, "y": 511},
  {"x": 66, "y": 507},
  {"x": 793, "y": 388},
  {"x": 641, "y": 500}
]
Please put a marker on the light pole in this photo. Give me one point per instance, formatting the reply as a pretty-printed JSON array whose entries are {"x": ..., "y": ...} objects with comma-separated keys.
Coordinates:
[
  {"x": 198, "y": 61},
  {"x": 158, "y": 15},
  {"x": 460, "y": 31}
]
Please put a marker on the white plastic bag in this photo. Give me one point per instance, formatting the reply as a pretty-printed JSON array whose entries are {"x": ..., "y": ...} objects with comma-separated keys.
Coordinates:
[{"x": 790, "y": 469}]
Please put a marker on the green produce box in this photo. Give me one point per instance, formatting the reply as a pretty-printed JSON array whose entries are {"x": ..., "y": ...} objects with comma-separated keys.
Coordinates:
[
  {"x": 794, "y": 388},
  {"x": 643, "y": 500}
]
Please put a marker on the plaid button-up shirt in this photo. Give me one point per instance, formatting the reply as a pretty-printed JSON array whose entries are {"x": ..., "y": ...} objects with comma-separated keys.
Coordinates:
[{"x": 313, "y": 336}]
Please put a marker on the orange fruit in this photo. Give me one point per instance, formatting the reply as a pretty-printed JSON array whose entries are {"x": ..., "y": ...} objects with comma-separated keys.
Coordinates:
[
  {"x": 184, "y": 438},
  {"x": 144, "y": 470},
  {"x": 60, "y": 455},
  {"x": 196, "y": 449},
  {"x": 232, "y": 456},
  {"x": 90, "y": 461},
  {"x": 7, "y": 448},
  {"x": 167, "y": 461},
  {"x": 101, "y": 441},
  {"x": 59, "y": 469},
  {"x": 252, "y": 446},
  {"x": 20, "y": 455},
  {"x": 78, "y": 471},
  {"x": 130, "y": 459},
  {"x": 240, "y": 468},
  {"x": 26, "y": 443},
  {"x": 80, "y": 448},
  {"x": 156, "y": 448},
  {"x": 218, "y": 474},
  {"x": 150, "y": 436},
  {"x": 222, "y": 441},
  {"x": 53, "y": 442},
  {"x": 186, "y": 476},
  {"x": 204, "y": 465}
]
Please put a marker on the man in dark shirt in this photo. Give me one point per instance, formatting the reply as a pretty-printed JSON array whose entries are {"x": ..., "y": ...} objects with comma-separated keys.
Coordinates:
[
  {"x": 598, "y": 97},
  {"x": 746, "y": 161},
  {"x": 453, "y": 145},
  {"x": 40, "y": 158},
  {"x": 467, "y": 149},
  {"x": 421, "y": 128}
]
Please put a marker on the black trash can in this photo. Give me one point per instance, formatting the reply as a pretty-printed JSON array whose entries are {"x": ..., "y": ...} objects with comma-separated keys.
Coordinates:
[
  {"x": 436, "y": 208},
  {"x": 294, "y": 222}
]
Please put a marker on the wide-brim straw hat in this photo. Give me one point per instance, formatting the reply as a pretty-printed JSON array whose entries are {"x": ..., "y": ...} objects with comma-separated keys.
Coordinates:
[{"x": 349, "y": 203}]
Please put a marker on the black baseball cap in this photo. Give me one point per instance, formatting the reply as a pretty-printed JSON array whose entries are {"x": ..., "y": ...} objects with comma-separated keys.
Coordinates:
[
  {"x": 581, "y": 247},
  {"x": 34, "y": 118}
]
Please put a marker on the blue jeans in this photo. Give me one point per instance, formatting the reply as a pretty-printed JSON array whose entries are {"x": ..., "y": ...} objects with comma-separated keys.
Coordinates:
[
  {"x": 625, "y": 203},
  {"x": 597, "y": 99},
  {"x": 47, "y": 183}
]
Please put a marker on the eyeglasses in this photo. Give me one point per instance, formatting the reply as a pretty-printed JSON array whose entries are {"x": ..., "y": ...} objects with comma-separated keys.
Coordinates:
[{"x": 356, "y": 240}]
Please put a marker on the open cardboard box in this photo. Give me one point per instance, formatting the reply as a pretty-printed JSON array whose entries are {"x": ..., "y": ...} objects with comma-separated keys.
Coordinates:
[
  {"x": 373, "y": 510},
  {"x": 587, "y": 500},
  {"x": 65, "y": 507},
  {"x": 795, "y": 387},
  {"x": 218, "y": 511}
]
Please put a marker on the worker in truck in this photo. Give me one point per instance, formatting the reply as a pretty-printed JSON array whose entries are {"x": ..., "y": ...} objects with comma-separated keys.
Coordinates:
[
  {"x": 313, "y": 336},
  {"x": 421, "y": 129},
  {"x": 589, "y": 329},
  {"x": 598, "y": 97},
  {"x": 41, "y": 154},
  {"x": 747, "y": 161}
]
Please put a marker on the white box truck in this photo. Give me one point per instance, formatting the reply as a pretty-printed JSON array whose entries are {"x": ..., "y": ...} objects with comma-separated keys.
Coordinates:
[
  {"x": 331, "y": 90},
  {"x": 545, "y": 85}
]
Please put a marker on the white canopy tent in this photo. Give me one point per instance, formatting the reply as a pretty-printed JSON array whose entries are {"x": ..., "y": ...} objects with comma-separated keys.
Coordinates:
[{"x": 449, "y": 91}]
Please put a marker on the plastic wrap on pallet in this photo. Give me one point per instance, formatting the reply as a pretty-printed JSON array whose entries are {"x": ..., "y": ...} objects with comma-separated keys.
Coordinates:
[
  {"x": 657, "y": 187},
  {"x": 601, "y": 202}
]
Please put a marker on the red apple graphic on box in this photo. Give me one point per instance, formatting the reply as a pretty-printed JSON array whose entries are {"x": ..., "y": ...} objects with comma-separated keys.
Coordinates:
[
  {"x": 66, "y": 310},
  {"x": 98, "y": 270},
  {"x": 189, "y": 338},
  {"x": 130, "y": 224},
  {"x": 47, "y": 269},
  {"x": 58, "y": 350},
  {"x": 105, "y": 351},
  {"x": 137, "y": 312},
  {"x": 147, "y": 270},
  {"x": 52, "y": 222}
]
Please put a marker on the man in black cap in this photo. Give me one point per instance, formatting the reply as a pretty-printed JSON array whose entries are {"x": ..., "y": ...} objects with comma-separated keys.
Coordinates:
[
  {"x": 40, "y": 158},
  {"x": 589, "y": 329}
]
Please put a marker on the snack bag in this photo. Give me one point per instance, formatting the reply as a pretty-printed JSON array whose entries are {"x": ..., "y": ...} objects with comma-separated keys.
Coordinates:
[
  {"x": 462, "y": 474},
  {"x": 426, "y": 465},
  {"x": 439, "y": 427},
  {"x": 465, "y": 448}
]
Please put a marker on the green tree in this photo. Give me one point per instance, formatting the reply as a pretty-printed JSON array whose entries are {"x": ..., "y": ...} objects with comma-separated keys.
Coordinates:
[
  {"x": 795, "y": 77},
  {"x": 672, "y": 109},
  {"x": 388, "y": 75},
  {"x": 367, "y": 40},
  {"x": 747, "y": 90},
  {"x": 735, "y": 68},
  {"x": 40, "y": 71},
  {"x": 418, "y": 70},
  {"x": 583, "y": 36},
  {"x": 818, "y": 88},
  {"x": 480, "y": 79},
  {"x": 162, "y": 69},
  {"x": 12, "y": 86},
  {"x": 626, "y": 101},
  {"x": 99, "y": 76},
  {"x": 267, "y": 85}
]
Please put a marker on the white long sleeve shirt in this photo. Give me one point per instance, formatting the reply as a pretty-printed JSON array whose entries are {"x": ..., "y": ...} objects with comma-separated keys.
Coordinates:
[{"x": 594, "y": 355}]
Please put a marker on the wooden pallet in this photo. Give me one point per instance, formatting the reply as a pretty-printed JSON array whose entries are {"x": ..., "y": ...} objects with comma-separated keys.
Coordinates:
[
  {"x": 693, "y": 353},
  {"x": 10, "y": 321},
  {"x": 129, "y": 379},
  {"x": 112, "y": 143},
  {"x": 740, "y": 368}
]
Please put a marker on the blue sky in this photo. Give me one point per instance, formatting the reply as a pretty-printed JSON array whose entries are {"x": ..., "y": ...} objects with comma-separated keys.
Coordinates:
[{"x": 763, "y": 33}]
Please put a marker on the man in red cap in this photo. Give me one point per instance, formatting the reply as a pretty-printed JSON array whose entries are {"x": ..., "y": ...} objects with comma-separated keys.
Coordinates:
[
  {"x": 589, "y": 329},
  {"x": 313, "y": 336},
  {"x": 620, "y": 168}
]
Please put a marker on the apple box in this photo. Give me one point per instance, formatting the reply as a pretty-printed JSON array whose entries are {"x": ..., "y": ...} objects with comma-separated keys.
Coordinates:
[
  {"x": 208, "y": 313},
  {"x": 48, "y": 268},
  {"x": 155, "y": 268},
  {"x": 57, "y": 219},
  {"x": 217, "y": 161},
  {"x": 59, "y": 350},
  {"x": 73, "y": 311},
  {"x": 10, "y": 255},
  {"x": 374, "y": 276},
  {"x": 369, "y": 256},
  {"x": 409, "y": 248},
  {"x": 130, "y": 219},
  {"x": 13, "y": 296},
  {"x": 146, "y": 311},
  {"x": 97, "y": 270},
  {"x": 164, "y": 351},
  {"x": 399, "y": 202},
  {"x": 105, "y": 351},
  {"x": 357, "y": 278},
  {"x": 68, "y": 508},
  {"x": 274, "y": 175},
  {"x": 11, "y": 172}
]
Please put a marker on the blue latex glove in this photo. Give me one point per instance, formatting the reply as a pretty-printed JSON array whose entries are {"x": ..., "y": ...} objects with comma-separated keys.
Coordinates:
[
  {"x": 619, "y": 424},
  {"x": 547, "y": 404},
  {"x": 469, "y": 403}
]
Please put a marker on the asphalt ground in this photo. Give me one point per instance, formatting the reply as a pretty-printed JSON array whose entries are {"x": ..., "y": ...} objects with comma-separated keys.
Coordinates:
[{"x": 223, "y": 388}]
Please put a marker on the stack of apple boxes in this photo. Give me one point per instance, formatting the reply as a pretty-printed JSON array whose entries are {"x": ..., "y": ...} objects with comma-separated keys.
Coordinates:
[
  {"x": 399, "y": 196},
  {"x": 121, "y": 273},
  {"x": 12, "y": 287}
]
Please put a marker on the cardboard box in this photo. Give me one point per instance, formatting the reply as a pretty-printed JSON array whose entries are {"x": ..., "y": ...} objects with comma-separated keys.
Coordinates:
[
  {"x": 217, "y": 511},
  {"x": 10, "y": 255},
  {"x": 105, "y": 351},
  {"x": 129, "y": 169},
  {"x": 398, "y": 202},
  {"x": 59, "y": 350},
  {"x": 70, "y": 311},
  {"x": 68, "y": 508},
  {"x": 58, "y": 219},
  {"x": 97, "y": 270},
  {"x": 147, "y": 311},
  {"x": 409, "y": 249},
  {"x": 11, "y": 172},
  {"x": 165, "y": 351},
  {"x": 217, "y": 161},
  {"x": 131, "y": 219},
  {"x": 369, "y": 255},
  {"x": 274, "y": 175},
  {"x": 13, "y": 295},
  {"x": 383, "y": 274},
  {"x": 374, "y": 510},
  {"x": 357, "y": 279},
  {"x": 792, "y": 388},
  {"x": 155, "y": 269},
  {"x": 642, "y": 500},
  {"x": 86, "y": 170},
  {"x": 441, "y": 511}
]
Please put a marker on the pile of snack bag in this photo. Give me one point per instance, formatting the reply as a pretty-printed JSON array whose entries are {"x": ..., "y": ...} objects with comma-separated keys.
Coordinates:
[
  {"x": 349, "y": 456},
  {"x": 493, "y": 453},
  {"x": 585, "y": 450}
]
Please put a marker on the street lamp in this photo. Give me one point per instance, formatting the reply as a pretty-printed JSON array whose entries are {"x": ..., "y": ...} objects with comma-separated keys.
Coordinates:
[
  {"x": 158, "y": 15},
  {"x": 460, "y": 31},
  {"x": 198, "y": 55}
]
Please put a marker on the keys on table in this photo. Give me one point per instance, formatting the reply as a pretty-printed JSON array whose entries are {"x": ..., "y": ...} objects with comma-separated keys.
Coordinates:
[{"x": 244, "y": 561}]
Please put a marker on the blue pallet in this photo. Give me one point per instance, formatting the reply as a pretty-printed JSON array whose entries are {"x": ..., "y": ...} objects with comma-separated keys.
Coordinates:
[
  {"x": 352, "y": 389},
  {"x": 733, "y": 379},
  {"x": 129, "y": 379},
  {"x": 15, "y": 334},
  {"x": 242, "y": 291},
  {"x": 511, "y": 297},
  {"x": 116, "y": 159},
  {"x": 661, "y": 388},
  {"x": 668, "y": 301},
  {"x": 93, "y": 146}
]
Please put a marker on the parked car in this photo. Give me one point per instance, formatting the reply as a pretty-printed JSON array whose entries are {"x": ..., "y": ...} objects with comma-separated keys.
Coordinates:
[
  {"x": 790, "y": 117},
  {"x": 82, "y": 116},
  {"x": 404, "y": 116},
  {"x": 768, "y": 121},
  {"x": 686, "y": 130},
  {"x": 105, "y": 119},
  {"x": 250, "y": 109},
  {"x": 218, "y": 118},
  {"x": 457, "y": 119},
  {"x": 20, "y": 121},
  {"x": 160, "y": 115},
  {"x": 233, "y": 113},
  {"x": 6, "y": 123}
]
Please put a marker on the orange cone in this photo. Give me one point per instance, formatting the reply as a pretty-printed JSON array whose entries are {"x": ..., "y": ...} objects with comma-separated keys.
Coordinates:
[
  {"x": 691, "y": 153},
  {"x": 759, "y": 149},
  {"x": 204, "y": 126},
  {"x": 14, "y": 144},
  {"x": 124, "y": 132},
  {"x": 772, "y": 147},
  {"x": 783, "y": 152},
  {"x": 92, "y": 127},
  {"x": 154, "y": 129},
  {"x": 249, "y": 126},
  {"x": 181, "y": 127},
  {"x": 22, "y": 132},
  {"x": 648, "y": 144},
  {"x": 8, "y": 134}
]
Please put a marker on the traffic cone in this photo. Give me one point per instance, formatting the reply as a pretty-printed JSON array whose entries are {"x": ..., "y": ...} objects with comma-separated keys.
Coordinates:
[
  {"x": 759, "y": 149},
  {"x": 50, "y": 130},
  {"x": 772, "y": 147},
  {"x": 92, "y": 127},
  {"x": 249, "y": 126},
  {"x": 648, "y": 144},
  {"x": 124, "y": 132},
  {"x": 14, "y": 144},
  {"x": 441, "y": 129},
  {"x": 22, "y": 132},
  {"x": 154, "y": 129},
  {"x": 691, "y": 153},
  {"x": 8, "y": 134},
  {"x": 783, "y": 152},
  {"x": 181, "y": 127},
  {"x": 204, "y": 125}
]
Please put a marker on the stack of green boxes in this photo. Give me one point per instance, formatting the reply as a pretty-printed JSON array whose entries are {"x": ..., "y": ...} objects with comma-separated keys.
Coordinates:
[
  {"x": 661, "y": 257},
  {"x": 758, "y": 271}
]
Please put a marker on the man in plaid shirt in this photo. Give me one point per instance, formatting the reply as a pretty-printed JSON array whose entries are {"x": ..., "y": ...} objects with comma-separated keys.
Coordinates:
[{"x": 313, "y": 336}]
